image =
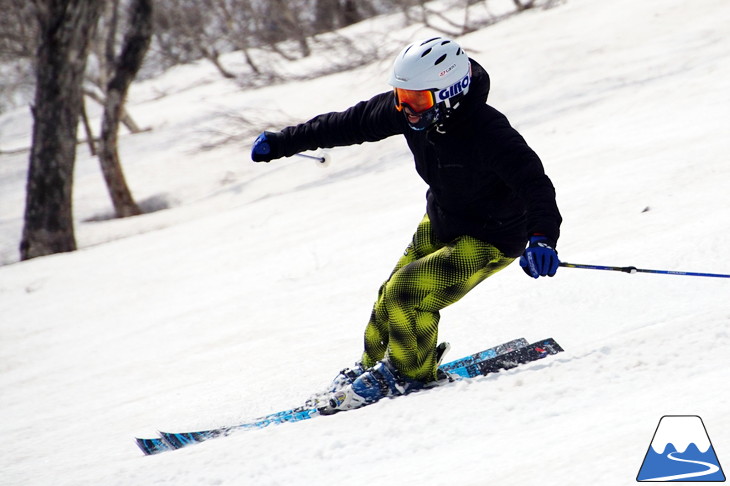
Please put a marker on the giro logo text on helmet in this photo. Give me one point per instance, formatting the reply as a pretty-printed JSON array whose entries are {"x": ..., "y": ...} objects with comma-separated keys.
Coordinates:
[
  {"x": 454, "y": 89},
  {"x": 447, "y": 71}
]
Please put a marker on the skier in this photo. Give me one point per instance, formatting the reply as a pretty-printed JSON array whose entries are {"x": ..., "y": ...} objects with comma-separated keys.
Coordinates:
[{"x": 488, "y": 198}]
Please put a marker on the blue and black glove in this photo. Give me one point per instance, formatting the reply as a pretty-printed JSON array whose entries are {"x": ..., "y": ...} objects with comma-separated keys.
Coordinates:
[
  {"x": 266, "y": 147},
  {"x": 540, "y": 258}
]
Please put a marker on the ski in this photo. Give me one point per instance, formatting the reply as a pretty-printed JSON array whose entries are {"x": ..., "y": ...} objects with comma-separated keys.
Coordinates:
[
  {"x": 457, "y": 364},
  {"x": 512, "y": 359},
  {"x": 502, "y": 357},
  {"x": 169, "y": 441}
]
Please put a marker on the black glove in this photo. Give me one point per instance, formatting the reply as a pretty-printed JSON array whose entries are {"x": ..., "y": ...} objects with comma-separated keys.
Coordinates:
[
  {"x": 266, "y": 147},
  {"x": 540, "y": 258}
]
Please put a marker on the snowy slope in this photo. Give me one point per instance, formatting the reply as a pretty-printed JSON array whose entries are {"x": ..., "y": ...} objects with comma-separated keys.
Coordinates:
[{"x": 254, "y": 288}]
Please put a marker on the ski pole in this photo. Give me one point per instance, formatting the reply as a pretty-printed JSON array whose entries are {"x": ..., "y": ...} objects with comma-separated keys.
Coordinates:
[
  {"x": 641, "y": 270},
  {"x": 322, "y": 161}
]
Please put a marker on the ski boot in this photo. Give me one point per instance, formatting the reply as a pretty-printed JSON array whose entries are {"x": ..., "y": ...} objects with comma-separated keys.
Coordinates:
[
  {"x": 380, "y": 381},
  {"x": 344, "y": 378},
  {"x": 355, "y": 387}
]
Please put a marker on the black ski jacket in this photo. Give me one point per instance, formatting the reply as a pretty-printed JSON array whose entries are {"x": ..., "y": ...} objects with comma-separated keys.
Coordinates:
[{"x": 484, "y": 180}]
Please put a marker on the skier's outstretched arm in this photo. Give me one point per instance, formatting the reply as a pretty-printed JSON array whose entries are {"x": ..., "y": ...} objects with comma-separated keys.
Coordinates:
[{"x": 367, "y": 121}]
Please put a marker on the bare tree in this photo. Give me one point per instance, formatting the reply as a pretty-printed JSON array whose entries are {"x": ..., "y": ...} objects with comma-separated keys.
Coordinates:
[
  {"x": 235, "y": 18},
  {"x": 124, "y": 69},
  {"x": 17, "y": 28},
  {"x": 333, "y": 14},
  {"x": 18, "y": 44},
  {"x": 279, "y": 21},
  {"x": 187, "y": 30},
  {"x": 104, "y": 50},
  {"x": 349, "y": 13},
  {"x": 65, "y": 28},
  {"x": 523, "y": 4},
  {"x": 423, "y": 11},
  {"x": 325, "y": 15}
]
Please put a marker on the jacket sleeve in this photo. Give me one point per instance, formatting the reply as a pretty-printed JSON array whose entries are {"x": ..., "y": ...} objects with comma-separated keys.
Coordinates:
[
  {"x": 522, "y": 170},
  {"x": 367, "y": 121}
]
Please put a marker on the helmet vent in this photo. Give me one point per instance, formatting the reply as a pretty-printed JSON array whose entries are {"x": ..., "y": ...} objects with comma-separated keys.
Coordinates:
[
  {"x": 426, "y": 52},
  {"x": 445, "y": 42},
  {"x": 459, "y": 51},
  {"x": 440, "y": 60},
  {"x": 429, "y": 40}
]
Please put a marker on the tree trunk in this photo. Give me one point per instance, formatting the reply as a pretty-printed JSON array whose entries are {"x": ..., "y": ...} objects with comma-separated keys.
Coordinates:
[
  {"x": 350, "y": 14},
  {"x": 126, "y": 118},
  {"x": 324, "y": 15},
  {"x": 66, "y": 27},
  {"x": 136, "y": 42},
  {"x": 87, "y": 128},
  {"x": 523, "y": 6}
]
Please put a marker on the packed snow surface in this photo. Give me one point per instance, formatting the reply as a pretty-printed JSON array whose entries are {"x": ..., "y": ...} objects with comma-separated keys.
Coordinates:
[{"x": 253, "y": 288}]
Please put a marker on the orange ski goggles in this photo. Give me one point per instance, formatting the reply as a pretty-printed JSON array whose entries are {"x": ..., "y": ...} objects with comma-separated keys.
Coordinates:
[{"x": 418, "y": 101}]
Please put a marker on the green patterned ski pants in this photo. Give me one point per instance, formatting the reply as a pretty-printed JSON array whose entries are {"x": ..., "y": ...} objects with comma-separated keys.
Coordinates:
[{"x": 430, "y": 276}]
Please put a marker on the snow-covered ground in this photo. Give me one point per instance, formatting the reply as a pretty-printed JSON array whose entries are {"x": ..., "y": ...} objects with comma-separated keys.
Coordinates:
[{"x": 253, "y": 289}]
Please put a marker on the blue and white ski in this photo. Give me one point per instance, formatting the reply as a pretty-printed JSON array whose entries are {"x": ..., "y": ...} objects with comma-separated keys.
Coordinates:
[{"x": 502, "y": 357}]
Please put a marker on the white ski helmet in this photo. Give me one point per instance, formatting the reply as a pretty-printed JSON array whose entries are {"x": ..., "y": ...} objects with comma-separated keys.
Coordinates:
[{"x": 436, "y": 65}]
